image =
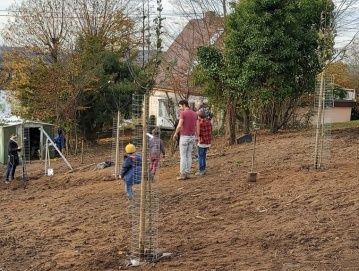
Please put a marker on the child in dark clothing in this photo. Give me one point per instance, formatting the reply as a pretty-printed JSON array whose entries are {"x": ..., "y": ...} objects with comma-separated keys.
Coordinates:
[
  {"x": 131, "y": 169},
  {"x": 156, "y": 148}
]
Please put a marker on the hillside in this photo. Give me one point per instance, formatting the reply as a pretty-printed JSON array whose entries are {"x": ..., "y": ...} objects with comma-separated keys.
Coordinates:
[{"x": 292, "y": 218}]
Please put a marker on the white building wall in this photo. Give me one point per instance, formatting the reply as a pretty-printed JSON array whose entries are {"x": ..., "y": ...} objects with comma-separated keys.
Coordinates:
[
  {"x": 337, "y": 114},
  {"x": 331, "y": 115}
]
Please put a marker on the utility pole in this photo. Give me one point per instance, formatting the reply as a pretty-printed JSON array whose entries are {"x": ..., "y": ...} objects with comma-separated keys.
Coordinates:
[
  {"x": 117, "y": 153},
  {"x": 224, "y": 8}
]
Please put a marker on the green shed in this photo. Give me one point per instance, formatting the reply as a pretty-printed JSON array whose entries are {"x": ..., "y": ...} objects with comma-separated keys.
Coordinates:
[{"x": 30, "y": 138}]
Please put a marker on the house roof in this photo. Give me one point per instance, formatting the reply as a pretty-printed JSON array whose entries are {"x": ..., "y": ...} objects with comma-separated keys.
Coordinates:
[
  {"x": 179, "y": 60},
  {"x": 19, "y": 121},
  {"x": 344, "y": 103},
  {"x": 192, "y": 92}
]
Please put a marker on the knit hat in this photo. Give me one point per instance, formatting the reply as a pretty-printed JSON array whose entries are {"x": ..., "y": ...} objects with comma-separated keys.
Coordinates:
[{"x": 130, "y": 148}]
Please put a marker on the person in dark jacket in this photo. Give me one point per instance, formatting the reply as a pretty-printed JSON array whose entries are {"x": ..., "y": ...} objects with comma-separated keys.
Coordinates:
[
  {"x": 60, "y": 141},
  {"x": 13, "y": 158},
  {"x": 131, "y": 169}
]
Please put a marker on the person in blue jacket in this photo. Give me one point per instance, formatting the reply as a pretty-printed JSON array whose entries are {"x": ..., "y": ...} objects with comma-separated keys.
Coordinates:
[
  {"x": 60, "y": 141},
  {"x": 131, "y": 169}
]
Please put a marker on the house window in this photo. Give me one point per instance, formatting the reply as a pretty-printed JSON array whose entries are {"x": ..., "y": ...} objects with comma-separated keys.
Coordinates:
[
  {"x": 162, "y": 108},
  {"x": 215, "y": 36}
]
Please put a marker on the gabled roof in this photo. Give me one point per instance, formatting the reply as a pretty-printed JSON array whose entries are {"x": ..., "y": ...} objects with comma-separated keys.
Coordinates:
[{"x": 179, "y": 60}]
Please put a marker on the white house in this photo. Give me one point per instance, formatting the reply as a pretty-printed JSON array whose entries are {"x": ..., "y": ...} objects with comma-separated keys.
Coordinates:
[
  {"x": 164, "y": 110},
  {"x": 173, "y": 79},
  {"x": 339, "y": 112}
]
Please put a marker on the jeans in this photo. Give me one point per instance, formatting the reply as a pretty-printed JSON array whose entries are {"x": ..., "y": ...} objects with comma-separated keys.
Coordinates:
[
  {"x": 186, "y": 145},
  {"x": 128, "y": 189},
  {"x": 10, "y": 170},
  {"x": 202, "y": 153}
]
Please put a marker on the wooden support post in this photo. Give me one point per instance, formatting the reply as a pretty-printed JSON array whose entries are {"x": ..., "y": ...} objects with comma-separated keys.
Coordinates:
[
  {"x": 46, "y": 156},
  {"x": 319, "y": 123},
  {"x": 41, "y": 145},
  {"x": 117, "y": 153},
  {"x": 144, "y": 177},
  {"x": 82, "y": 151},
  {"x": 254, "y": 150},
  {"x": 322, "y": 135}
]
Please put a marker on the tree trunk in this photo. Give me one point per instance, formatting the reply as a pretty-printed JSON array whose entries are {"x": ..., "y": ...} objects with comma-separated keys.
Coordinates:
[
  {"x": 223, "y": 121},
  {"x": 246, "y": 124},
  {"x": 274, "y": 118},
  {"x": 230, "y": 122}
]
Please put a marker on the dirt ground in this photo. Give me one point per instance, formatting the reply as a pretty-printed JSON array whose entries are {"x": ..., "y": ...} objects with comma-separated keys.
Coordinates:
[{"x": 292, "y": 218}]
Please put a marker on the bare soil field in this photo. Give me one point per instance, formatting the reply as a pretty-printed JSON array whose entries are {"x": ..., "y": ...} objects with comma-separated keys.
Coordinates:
[{"x": 292, "y": 218}]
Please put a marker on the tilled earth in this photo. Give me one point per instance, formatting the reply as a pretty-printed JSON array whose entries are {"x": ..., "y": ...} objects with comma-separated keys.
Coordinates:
[{"x": 292, "y": 218}]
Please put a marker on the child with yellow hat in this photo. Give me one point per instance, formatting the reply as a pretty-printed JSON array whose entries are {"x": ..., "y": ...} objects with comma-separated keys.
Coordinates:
[{"x": 131, "y": 169}]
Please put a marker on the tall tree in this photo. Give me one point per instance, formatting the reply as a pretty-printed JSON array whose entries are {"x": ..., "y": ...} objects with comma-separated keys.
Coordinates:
[
  {"x": 341, "y": 73},
  {"x": 43, "y": 26},
  {"x": 272, "y": 50},
  {"x": 59, "y": 52},
  {"x": 39, "y": 36},
  {"x": 352, "y": 61},
  {"x": 107, "y": 20}
]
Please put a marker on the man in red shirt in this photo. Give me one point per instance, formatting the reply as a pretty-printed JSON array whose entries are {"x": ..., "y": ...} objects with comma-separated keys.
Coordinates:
[{"x": 187, "y": 129}]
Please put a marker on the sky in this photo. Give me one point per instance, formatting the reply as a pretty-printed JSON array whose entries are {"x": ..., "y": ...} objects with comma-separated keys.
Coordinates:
[
  {"x": 4, "y": 4},
  {"x": 172, "y": 23}
]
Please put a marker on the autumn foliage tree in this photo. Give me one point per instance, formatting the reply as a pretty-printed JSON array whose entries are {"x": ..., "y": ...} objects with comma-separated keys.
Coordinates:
[{"x": 58, "y": 65}]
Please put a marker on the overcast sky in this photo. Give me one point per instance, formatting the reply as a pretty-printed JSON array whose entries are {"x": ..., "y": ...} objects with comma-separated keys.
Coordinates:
[
  {"x": 174, "y": 24},
  {"x": 4, "y": 4}
]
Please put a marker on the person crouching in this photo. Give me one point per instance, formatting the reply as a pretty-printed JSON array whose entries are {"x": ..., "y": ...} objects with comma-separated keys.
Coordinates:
[{"x": 131, "y": 169}]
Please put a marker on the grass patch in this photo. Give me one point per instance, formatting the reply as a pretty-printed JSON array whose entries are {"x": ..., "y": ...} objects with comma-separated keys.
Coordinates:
[{"x": 343, "y": 125}]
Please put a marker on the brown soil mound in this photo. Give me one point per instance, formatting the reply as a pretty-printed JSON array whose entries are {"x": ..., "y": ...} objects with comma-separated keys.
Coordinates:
[{"x": 292, "y": 218}]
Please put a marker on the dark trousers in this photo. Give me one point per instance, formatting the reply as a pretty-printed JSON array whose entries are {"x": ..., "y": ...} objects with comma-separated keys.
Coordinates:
[
  {"x": 10, "y": 170},
  {"x": 202, "y": 153}
]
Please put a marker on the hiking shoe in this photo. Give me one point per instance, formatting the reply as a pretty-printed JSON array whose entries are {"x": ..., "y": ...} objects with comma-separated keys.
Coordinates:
[
  {"x": 182, "y": 177},
  {"x": 200, "y": 173},
  {"x": 7, "y": 181},
  {"x": 151, "y": 177}
]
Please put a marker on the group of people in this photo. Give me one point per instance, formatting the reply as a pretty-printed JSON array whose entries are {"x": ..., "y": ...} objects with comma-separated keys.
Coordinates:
[{"x": 192, "y": 127}]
